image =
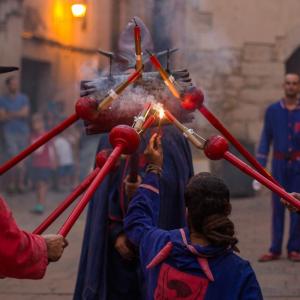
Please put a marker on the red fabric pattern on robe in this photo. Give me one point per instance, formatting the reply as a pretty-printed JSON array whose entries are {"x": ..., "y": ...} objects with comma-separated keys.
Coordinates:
[
  {"x": 174, "y": 284},
  {"x": 22, "y": 254}
]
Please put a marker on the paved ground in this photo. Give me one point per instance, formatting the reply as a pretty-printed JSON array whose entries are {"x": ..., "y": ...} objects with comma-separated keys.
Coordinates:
[{"x": 279, "y": 280}]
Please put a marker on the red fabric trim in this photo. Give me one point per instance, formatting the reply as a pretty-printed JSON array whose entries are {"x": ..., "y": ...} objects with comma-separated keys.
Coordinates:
[
  {"x": 205, "y": 267},
  {"x": 150, "y": 187},
  {"x": 122, "y": 202},
  {"x": 161, "y": 255},
  {"x": 203, "y": 263}
]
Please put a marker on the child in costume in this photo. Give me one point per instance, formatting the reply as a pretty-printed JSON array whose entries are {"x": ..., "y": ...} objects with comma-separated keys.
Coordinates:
[{"x": 195, "y": 262}]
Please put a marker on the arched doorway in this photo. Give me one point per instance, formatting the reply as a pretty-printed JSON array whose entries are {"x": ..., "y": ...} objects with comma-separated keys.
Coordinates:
[{"x": 292, "y": 64}]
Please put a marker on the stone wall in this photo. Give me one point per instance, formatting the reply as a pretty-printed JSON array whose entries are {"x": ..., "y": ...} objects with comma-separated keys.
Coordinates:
[{"x": 10, "y": 33}]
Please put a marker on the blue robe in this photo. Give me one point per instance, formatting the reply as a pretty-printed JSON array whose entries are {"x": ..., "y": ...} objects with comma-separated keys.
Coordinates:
[
  {"x": 173, "y": 267},
  {"x": 99, "y": 261},
  {"x": 282, "y": 131}
]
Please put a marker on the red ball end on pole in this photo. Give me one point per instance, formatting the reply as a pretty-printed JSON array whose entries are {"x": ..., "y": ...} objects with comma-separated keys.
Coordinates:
[
  {"x": 86, "y": 109},
  {"x": 125, "y": 140},
  {"x": 215, "y": 147},
  {"x": 192, "y": 99},
  {"x": 101, "y": 158},
  {"x": 126, "y": 136}
]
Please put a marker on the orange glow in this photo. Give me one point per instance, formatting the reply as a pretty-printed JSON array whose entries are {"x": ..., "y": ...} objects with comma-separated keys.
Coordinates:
[
  {"x": 161, "y": 113},
  {"x": 59, "y": 11},
  {"x": 78, "y": 10},
  {"x": 158, "y": 107}
]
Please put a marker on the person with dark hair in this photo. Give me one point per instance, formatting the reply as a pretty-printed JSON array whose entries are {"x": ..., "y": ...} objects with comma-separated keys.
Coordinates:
[
  {"x": 14, "y": 113},
  {"x": 282, "y": 130},
  {"x": 195, "y": 262}
]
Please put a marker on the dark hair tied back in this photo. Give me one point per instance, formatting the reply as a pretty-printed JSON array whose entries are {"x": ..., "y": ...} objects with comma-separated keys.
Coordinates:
[{"x": 207, "y": 198}]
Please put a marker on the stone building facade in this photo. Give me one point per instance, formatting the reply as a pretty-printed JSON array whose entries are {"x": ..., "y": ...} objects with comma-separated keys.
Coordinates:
[
  {"x": 237, "y": 51},
  {"x": 54, "y": 50}
]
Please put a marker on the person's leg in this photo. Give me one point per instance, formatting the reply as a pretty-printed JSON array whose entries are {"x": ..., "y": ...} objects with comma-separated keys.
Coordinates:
[
  {"x": 11, "y": 150},
  {"x": 294, "y": 237},
  {"x": 42, "y": 176},
  {"x": 40, "y": 193},
  {"x": 22, "y": 144},
  {"x": 278, "y": 211}
]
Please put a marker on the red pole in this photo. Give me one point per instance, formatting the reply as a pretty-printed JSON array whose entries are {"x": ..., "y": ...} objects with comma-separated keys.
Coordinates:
[
  {"x": 262, "y": 179},
  {"x": 217, "y": 147},
  {"x": 67, "y": 202},
  {"x": 111, "y": 160},
  {"x": 251, "y": 159},
  {"x": 39, "y": 142}
]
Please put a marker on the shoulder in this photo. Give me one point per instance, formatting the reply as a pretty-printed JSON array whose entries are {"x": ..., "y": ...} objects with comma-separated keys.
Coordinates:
[
  {"x": 275, "y": 106},
  {"x": 243, "y": 266},
  {"x": 23, "y": 98}
]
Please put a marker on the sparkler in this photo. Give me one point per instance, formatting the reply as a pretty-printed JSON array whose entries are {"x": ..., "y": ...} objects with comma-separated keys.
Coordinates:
[
  {"x": 169, "y": 80},
  {"x": 115, "y": 93},
  {"x": 141, "y": 118},
  {"x": 189, "y": 133},
  {"x": 161, "y": 114}
]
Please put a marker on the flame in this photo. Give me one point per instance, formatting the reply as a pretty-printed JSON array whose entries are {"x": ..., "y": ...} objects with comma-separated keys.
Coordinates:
[
  {"x": 161, "y": 113},
  {"x": 159, "y": 109}
]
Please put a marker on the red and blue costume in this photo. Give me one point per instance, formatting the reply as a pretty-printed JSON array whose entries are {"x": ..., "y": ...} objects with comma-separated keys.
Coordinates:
[
  {"x": 282, "y": 130},
  {"x": 173, "y": 267}
]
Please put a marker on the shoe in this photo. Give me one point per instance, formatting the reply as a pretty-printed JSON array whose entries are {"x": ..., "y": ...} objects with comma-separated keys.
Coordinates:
[
  {"x": 269, "y": 257},
  {"x": 294, "y": 256},
  {"x": 38, "y": 209}
]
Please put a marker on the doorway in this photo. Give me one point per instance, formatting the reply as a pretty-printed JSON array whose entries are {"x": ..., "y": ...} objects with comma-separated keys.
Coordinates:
[{"x": 36, "y": 82}]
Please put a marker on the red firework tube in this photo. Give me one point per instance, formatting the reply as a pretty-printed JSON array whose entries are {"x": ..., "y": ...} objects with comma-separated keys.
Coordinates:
[
  {"x": 148, "y": 123},
  {"x": 67, "y": 202},
  {"x": 39, "y": 142},
  {"x": 140, "y": 120},
  {"x": 193, "y": 99},
  {"x": 138, "y": 46},
  {"x": 125, "y": 140},
  {"x": 188, "y": 133},
  {"x": 262, "y": 179},
  {"x": 114, "y": 94},
  {"x": 100, "y": 161},
  {"x": 112, "y": 159},
  {"x": 217, "y": 148},
  {"x": 250, "y": 158},
  {"x": 169, "y": 80}
]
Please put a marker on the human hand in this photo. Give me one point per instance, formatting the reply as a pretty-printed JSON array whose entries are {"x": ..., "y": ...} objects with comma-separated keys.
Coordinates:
[
  {"x": 131, "y": 187},
  {"x": 121, "y": 245},
  {"x": 288, "y": 205},
  {"x": 55, "y": 246},
  {"x": 154, "y": 152}
]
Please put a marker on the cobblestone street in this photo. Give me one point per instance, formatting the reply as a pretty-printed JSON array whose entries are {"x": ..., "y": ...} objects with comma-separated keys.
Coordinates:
[{"x": 279, "y": 280}]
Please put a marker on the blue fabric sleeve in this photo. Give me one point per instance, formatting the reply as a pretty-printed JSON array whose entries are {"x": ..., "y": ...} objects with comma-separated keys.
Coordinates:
[
  {"x": 140, "y": 223},
  {"x": 250, "y": 289},
  {"x": 265, "y": 140},
  {"x": 143, "y": 210}
]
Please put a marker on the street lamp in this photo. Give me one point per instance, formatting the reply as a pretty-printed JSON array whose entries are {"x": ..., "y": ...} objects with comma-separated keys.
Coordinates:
[{"x": 78, "y": 9}]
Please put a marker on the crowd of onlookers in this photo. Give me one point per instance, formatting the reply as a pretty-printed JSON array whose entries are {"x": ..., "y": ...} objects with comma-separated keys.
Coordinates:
[{"x": 50, "y": 166}]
